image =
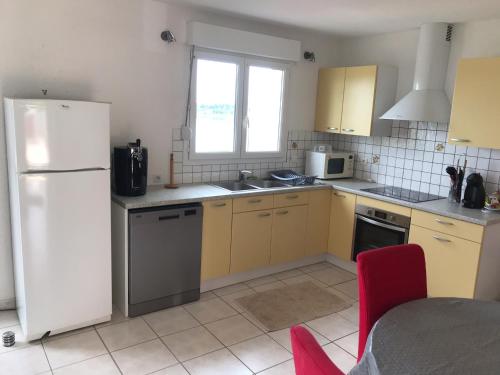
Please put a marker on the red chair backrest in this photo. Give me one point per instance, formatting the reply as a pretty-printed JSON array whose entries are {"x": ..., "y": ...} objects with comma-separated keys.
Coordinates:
[
  {"x": 308, "y": 356},
  {"x": 387, "y": 277}
]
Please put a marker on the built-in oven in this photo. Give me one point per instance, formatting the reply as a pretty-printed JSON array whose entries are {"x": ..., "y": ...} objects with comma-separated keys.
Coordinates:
[{"x": 375, "y": 228}]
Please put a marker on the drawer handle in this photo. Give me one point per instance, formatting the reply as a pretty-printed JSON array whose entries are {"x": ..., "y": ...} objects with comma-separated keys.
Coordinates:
[
  {"x": 441, "y": 239},
  {"x": 292, "y": 196},
  {"x": 168, "y": 217},
  {"x": 282, "y": 212},
  {"x": 349, "y": 130},
  {"x": 333, "y": 128},
  {"x": 255, "y": 201},
  {"x": 460, "y": 140},
  {"x": 265, "y": 214},
  {"x": 219, "y": 205},
  {"x": 444, "y": 222},
  {"x": 339, "y": 195},
  {"x": 65, "y": 106}
]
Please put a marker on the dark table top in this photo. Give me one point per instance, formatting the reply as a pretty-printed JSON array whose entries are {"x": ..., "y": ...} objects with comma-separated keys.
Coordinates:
[{"x": 435, "y": 336}]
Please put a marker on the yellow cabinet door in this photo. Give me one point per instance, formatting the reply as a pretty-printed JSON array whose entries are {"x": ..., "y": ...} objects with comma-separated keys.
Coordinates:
[
  {"x": 216, "y": 238},
  {"x": 475, "y": 113},
  {"x": 329, "y": 99},
  {"x": 341, "y": 224},
  {"x": 359, "y": 98},
  {"x": 451, "y": 263},
  {"x": 288, "y": 234},
  {"x": 318, "y": 222},
  {"x": 251, "y": 240}
]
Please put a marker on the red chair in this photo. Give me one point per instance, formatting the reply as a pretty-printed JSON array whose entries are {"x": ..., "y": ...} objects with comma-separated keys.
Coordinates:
[
  {"x": 387, "y": 277},
  {"x": 308, "y": 356}
]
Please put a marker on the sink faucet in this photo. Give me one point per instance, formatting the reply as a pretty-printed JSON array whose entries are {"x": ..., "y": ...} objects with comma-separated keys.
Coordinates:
[{"x": 243, "y": 175}]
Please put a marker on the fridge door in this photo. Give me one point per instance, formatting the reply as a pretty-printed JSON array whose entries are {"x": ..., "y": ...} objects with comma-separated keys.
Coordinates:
[
  {"x": 66, "y": 249},
  {"x": 59, "y": 135}
]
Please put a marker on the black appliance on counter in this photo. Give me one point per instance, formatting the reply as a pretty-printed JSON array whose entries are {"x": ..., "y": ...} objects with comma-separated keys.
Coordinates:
[
  {"x": 130, "y": 168},
  {"x": 475, "y": 193}
]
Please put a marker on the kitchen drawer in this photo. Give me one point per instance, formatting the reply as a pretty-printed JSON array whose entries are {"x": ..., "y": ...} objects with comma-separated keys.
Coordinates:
[
  {"x": 291, "y": 199},
  {"x": 259, "y": 202},
  {"x": 451, "y": 262},
  {"x": 443, "y": 224},
  {"x": 391, "y": 207}
]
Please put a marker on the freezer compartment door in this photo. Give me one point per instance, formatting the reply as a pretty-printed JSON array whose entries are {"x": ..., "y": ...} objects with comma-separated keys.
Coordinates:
[
  {"x": 66, "y": 248},
  {"x": 59, "y": 135}
]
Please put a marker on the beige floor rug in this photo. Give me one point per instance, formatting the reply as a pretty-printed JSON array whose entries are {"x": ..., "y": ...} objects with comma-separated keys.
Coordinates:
[{"x": 292, "y": 304}]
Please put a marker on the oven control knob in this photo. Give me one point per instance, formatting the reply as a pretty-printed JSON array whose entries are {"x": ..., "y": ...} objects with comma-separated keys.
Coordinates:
[
  {"x": 369, "y": 212},
  {"x": 391, "y": 218}
]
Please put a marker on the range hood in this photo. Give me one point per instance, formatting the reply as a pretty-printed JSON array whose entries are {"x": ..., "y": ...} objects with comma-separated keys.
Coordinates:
[{"x": 428, "y": 100}]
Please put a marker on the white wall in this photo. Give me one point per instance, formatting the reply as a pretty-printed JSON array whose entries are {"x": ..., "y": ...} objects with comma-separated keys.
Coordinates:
[
  {"x": 110, "y": 50},
  {"x": 472, "y": 39}
]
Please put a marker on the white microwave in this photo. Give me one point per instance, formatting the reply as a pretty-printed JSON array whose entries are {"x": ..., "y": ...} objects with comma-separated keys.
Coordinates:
[{"x": 329, "y": 165}]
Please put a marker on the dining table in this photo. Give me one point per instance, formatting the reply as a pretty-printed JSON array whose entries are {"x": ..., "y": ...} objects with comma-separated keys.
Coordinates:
[{"x": 434, "y": 336}]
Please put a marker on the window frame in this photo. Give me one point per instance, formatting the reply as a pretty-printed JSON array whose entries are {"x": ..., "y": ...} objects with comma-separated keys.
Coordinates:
[{"x": 243, "y": 63}]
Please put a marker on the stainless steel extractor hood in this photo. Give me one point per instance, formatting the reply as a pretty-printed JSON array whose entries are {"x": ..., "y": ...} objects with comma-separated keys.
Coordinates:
[{"x": 427, "y": 101}]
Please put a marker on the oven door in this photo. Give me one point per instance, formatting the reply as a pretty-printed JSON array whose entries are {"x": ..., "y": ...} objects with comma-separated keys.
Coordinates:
[{"x": 373, "y": 234}]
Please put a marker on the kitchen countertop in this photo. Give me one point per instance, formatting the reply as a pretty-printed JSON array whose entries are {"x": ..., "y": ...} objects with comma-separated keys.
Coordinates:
[{"x": 189, "y": 193}]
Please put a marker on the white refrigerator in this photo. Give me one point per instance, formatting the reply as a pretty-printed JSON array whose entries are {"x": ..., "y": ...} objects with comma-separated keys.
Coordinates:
[{"x": 59, "y": 181}]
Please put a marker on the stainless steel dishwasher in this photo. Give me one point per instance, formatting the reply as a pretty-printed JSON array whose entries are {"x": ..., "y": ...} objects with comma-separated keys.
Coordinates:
[{"x": 164, "y": 257}]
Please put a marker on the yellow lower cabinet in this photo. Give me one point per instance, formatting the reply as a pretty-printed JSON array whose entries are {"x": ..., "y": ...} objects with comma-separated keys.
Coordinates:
[
  {"x": 288, "y": 234},
  {"x": 341, "y": 224},
  {"x": 251, "y": 240},
  {"x": 451, "y": 262},
  {"x": 318, "y": 222},
  {"x": 216, "y": 238}
]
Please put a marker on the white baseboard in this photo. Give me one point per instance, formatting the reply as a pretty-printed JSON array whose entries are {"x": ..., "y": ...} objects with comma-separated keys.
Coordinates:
[
  {"x": 347, "y": 265},
  {"x": 260, "y": 272},
  {"x": 8, "y": 304}
]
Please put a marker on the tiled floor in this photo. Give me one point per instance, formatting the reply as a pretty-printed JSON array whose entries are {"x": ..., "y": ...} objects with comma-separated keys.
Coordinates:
[{"x": 211, "y": 336}]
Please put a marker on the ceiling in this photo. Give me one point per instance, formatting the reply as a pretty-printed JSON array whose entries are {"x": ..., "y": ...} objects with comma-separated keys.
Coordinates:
[{"x": 354, "y": 17}]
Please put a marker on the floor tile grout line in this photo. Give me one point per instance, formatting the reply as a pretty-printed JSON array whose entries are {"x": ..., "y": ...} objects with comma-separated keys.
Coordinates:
[{"x": 109, "y": 352}]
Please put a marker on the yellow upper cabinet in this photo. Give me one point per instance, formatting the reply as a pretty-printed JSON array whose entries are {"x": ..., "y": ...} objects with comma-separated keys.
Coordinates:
[
  {"x": 351, "y": 100},
  {"x": 475, "y": 113},
  {"x": 329, "y": 99}
]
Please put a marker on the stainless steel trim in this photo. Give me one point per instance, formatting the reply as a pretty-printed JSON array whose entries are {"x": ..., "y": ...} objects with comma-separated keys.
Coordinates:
[
  {"x": 444, "y": 222},
  {"x": 380, "y": 224},
  {"x": 441, "y": 239},
  {"x": 460, "y": 140},
  {"x": 391, "y": 217}
]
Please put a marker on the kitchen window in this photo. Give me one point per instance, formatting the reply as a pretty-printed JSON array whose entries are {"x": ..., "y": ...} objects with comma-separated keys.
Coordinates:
[{"x": 237, "y": 107}]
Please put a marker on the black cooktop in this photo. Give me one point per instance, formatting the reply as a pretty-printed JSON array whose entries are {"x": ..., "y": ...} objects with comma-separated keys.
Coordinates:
[{"x": 403, "y": 194}]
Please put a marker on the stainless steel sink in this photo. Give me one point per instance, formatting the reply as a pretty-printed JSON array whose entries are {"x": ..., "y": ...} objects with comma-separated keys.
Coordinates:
[
  {"x": 234, "y": 185},
  {"x": 266, "y": 184},
  {"x": 250, "y": 185}
]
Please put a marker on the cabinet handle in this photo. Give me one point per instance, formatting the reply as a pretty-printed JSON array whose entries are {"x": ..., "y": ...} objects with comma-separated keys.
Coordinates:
[
  {"x": 265, "y": 214},
  {"x": 339, "y": 195},
  {"x": 333, "y": 128},
  {"x": 282, "y": 212},
  {"x": 219, "y": 205},
  {"x": 65, "y": 106},
  {"x": 444, "y": 222},
  {"x": 441, "y": 239},
  {"x": 349, "y": 130},
  {"x": 255, "y": 201},
  {"x": 292, "y": 196},
  {"x": 459, "y": 140}
]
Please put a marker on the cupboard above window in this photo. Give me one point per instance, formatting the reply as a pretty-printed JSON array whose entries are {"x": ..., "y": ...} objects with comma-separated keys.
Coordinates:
[{"x": 350, "y": 100}]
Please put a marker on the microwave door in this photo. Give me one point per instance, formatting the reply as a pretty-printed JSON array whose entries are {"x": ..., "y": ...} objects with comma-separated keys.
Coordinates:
[{"x": 335, "y": 166}]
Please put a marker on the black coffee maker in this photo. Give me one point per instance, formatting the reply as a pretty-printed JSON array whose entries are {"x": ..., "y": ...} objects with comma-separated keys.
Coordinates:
[
  {"x": 130, "y": 164},
  {"x": 475, "y": 194}
]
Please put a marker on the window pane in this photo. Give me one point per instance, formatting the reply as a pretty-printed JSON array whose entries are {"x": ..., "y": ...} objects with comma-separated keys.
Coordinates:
[
  {"x": 215, "y": 106},
  {"x": 265, "y": 91}
]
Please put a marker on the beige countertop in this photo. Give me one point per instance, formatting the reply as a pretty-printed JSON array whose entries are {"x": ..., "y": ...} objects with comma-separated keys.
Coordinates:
[{"x": 189, "y": 193}]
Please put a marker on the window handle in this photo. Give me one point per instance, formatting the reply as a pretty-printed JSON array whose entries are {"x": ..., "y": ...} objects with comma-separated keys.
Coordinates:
[{"x": 246, "y": 122}]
